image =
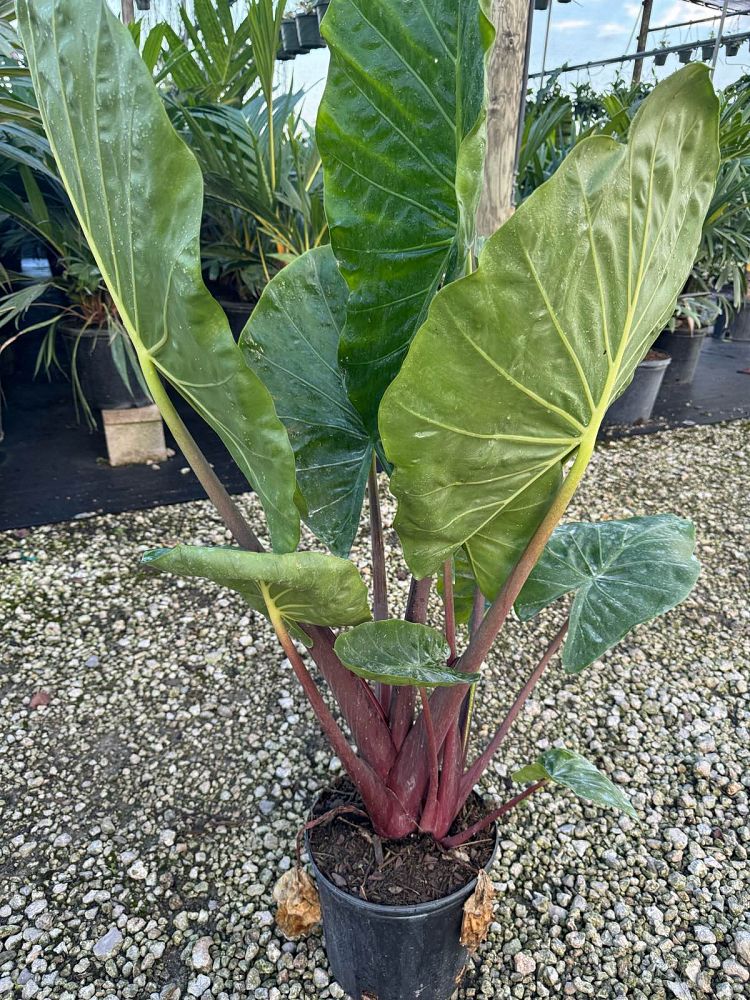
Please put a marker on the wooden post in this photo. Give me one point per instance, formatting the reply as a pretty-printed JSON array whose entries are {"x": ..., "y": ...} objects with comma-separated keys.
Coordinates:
[
  {"x": 128, "y": 14},
  {"x": 506, "y": 81},
  {"x": 642, "y": 39}
]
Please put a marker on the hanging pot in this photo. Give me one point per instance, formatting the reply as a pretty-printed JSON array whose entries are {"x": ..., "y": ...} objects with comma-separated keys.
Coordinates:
[
  {"x": 321, "y": 6},
  {"x": 290, "y": 39},
  {"x": 143, "y": 4},
  {"x": 541, "y": 4},
  {"x": 686, "y": 55},
  {"x": 707, "y": 52},
  {"x": 732, "y": 48},
  {"x": 308, "y": 31},
  {"x": 661, "y": 58}
]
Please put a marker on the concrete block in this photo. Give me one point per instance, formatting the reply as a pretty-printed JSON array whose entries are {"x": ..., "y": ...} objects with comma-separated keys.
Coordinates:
[{"x": 134, "y": 436}]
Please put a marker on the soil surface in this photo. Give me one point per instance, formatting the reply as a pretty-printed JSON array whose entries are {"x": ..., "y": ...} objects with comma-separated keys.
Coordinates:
[{"x": 394, "y": 872}]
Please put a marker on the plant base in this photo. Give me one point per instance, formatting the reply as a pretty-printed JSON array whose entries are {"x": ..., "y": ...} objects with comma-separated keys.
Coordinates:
[{"x": 404, "y": 952}]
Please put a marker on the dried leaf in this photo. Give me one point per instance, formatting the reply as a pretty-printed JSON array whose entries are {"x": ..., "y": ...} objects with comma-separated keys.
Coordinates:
[
  {"x": 40, "y": 698},
  {"x": 478, "y": 911},
  {"x": 298, "y": 905}
]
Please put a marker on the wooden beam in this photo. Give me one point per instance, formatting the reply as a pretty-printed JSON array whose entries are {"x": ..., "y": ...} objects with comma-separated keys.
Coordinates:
[
  {"x": 506, "y": 98},
  {"x": 642, "y": 39}
]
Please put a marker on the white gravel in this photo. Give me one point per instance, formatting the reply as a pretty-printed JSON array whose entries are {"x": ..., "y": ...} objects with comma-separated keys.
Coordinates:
[{"x": 149, "y": 807}]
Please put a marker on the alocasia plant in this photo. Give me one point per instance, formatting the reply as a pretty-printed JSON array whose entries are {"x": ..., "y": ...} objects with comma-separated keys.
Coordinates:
[{"x": 480, "y": 384}]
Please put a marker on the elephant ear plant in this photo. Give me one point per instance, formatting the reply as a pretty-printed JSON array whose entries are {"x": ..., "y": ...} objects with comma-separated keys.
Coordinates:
[{"x": 480, "y": 384}]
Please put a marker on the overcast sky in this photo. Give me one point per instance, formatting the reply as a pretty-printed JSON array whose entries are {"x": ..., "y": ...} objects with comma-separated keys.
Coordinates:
[{"x": 584, "y": 30}]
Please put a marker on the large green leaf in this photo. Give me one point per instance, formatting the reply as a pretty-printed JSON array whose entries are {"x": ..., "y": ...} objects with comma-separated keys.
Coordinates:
[
  {"x": 291, "y": 342},
  {"x": 621, "y": 572},
  {"x": 515, "y": 366},
  {"x": 137, "y": 191},
  {"x": 305, "y": 586},
  {"x": 401, "y": 653},
  {"x": 401, "y": 134},
  {"x": 567, "y": 768}
]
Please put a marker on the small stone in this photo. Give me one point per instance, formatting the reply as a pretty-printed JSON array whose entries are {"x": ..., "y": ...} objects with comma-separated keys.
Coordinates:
[
  {"x": 30, "y": 990},
  {"x": 170, "y": 992},
  {"x": 167, "y": 837},
  {"x": 321, "y": 979},
  {"x": 681, "y": 990},
  {"x": 524, "y": 964},
  {"x": 198, "y": 986},
  {"x": 742, "y": 945},
  {"x": 138, "y": 871},
  {"x": 6, "y": 985},
  {"x": 34, "y": 909},
  {"x": 678, "y": 838},
  {"x": 108, "y": 945},
  {"x": 734, "y": 970},
  {"x": 704, "y": 934},
  {"x": 201, "y": 954}
]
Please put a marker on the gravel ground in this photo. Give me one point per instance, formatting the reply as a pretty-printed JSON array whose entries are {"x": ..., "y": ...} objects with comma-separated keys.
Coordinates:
[{"x": 149, "y": 806}]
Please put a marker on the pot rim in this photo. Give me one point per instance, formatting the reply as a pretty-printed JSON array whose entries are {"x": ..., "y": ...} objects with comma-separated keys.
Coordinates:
[
  {"x": 71, "y": 330},
  {"x": 401, "y": 912},
  {"x": 682, "y": 331},
  {"x": 661, "y": 362}
]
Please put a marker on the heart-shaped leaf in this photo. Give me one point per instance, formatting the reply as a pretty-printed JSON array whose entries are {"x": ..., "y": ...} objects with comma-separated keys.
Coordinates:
[
  {"x": 292, "y": 342},
  {"x": 401, "y": 653},
  {"x": 516, "y": 365},
  {"x": 621, "y": 572},
  {"x": 304, "y": 586},
  {"x": 401, "y": 135},
  {"x": 567, "y": 768},
  {"x": 138, "y": 193}
]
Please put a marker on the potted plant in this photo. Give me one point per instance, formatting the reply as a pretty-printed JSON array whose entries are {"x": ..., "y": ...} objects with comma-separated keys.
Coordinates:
[
  {"x": 731, "y": 48},
  {"x": 707, "y": 50},
  {"x": 683, "y": 338},
  {"x": 660, "y": 58},
  {"x": 486, "y": 445},
  {"x": 308, "y": 27},
  {"x": 685, "y": 55}
]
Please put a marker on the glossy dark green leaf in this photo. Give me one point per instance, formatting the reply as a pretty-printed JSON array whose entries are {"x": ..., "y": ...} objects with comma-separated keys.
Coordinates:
[
  {"x": 567, "y": 768},
  {"x": 621, "y": 572},
  {"x": 400, "y": 653},
  {"x": 516, "y": 365},
  {"x": 291, "y": 342},
  {"x": 305, "y": 586},
  {"x": 137, "y": 191},
  {"x": 401, "y": 134}
]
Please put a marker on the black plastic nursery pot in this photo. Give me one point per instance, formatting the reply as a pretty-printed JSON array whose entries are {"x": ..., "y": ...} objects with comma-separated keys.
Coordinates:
[
  {"x": 238, "y": 313},
  {"x": 290, "y": 45},
  {"x": 321, "y": 6},
  {"x": 143, "y": 4},
  {"x": 739, "y": 329},
  {"x": 380, "y": 952},
  {"x": 661, "y": 58},
  {"x": 308, "y": 31},
  {"x": 684, "y": 348},
  {"x": 637, "y": 402},
  {"x": 707, "y": 52},
  {"x": 541, "y": 4},
  {"x": 101, "y": 383}
]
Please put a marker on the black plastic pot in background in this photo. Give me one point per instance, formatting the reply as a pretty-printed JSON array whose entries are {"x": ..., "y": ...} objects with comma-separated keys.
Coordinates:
[
  {"x": 661, "y": 58},
  {"x": 739, "y": 329},
  {"x": 707, "y": 52},
  {"x": 308, "y": 31},
  {"x": 101, "y": 383},
  {"x": 321, "y": 6},
  {"x": 684, "y": 348},
  {"x": 290, "y": 45},
  {"x": 143, "y": 4},
  {"x": 732, "y": 48},
  {"x": 685, "y": 56},
  {"x": 637, "y": 402},
  {"x": 238, "y": 313},
  {"x": 541, "y": 4},
  {"x": 393, "y": 952}
]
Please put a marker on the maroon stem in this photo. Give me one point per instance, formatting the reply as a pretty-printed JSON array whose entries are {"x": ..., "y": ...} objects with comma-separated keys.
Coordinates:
[
  {"x": 480, "y": 764},
  {"x": 477, "y": 612},
  {"x": 448, "y": 605},
  {"x": 461, "y": 838},
  {"x": 429, "y": 813},
  {"x": 388, "y": 816},
  {"x": 450, "y": 781},
  {"x": 419, "y": 596},
  {"x": 404, "y": 699}
]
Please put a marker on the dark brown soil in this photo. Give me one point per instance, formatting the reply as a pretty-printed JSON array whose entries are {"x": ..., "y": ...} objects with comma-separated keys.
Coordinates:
[
  {"x": 654, "y": 355},
  {"x": 394, "y": 872}
]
